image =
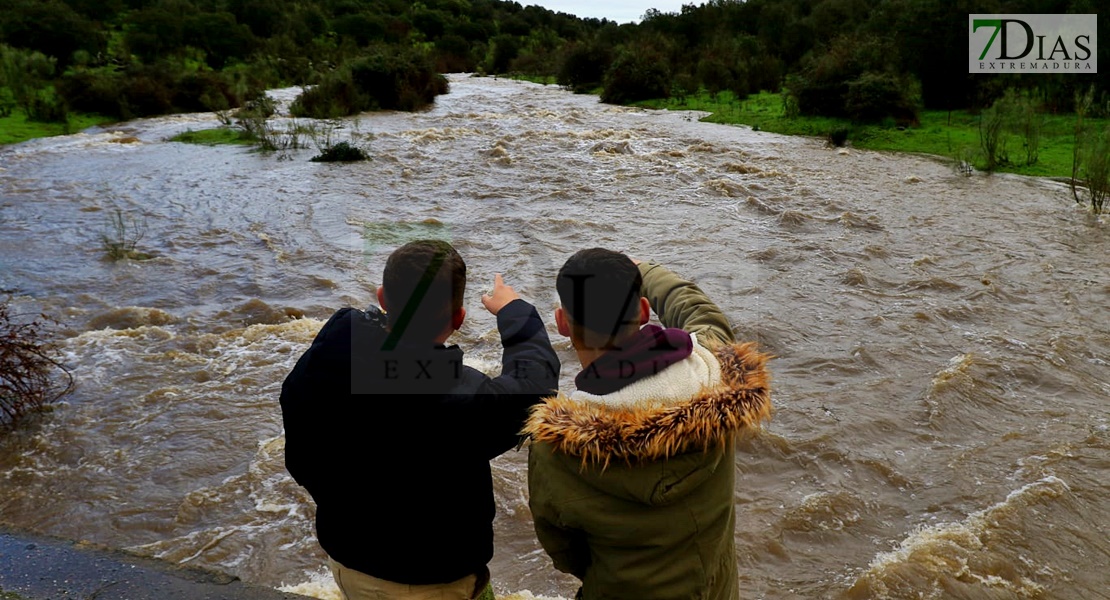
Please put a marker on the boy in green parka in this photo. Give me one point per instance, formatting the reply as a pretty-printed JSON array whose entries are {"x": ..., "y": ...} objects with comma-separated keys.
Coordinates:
[{"x": 631, "y": 475}]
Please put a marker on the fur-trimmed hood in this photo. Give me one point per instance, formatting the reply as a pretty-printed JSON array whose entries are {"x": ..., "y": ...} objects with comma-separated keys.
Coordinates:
[{"x": 599, "y": 434}]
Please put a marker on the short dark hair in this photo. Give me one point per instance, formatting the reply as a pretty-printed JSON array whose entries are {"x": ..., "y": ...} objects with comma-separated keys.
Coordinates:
[
  {"x": 600, "y": 292},
  {"x": 424, "y": 284}
]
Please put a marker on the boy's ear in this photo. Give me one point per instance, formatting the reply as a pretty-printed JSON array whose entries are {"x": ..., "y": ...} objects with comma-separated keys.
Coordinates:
[
  {"x": 381, "y": 298},
  {"x": 457, "y": 318},
  {"x": 561, "y": 322},
  {"x": 645, "y": 310}
]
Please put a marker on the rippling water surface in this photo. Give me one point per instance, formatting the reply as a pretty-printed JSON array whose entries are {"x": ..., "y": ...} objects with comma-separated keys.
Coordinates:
[{"x": 943, "y": 342}]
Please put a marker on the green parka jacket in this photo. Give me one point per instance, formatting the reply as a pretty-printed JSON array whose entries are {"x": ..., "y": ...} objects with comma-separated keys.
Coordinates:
[{"x": 637, "y": 500}]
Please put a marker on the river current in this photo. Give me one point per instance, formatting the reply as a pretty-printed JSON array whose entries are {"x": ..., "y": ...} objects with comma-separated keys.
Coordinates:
[{"x": 942, "y": 372}]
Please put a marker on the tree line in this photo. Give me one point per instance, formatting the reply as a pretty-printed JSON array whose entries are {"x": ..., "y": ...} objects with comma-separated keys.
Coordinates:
[{"x": 862, "y": 59}]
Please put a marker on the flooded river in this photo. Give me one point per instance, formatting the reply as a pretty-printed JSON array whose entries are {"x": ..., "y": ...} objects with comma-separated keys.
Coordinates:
[{"x": 941, "y": 386}]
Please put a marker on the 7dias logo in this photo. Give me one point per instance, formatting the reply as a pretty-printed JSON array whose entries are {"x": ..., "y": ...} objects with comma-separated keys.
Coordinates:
[{"x": 1032, "y": 43}]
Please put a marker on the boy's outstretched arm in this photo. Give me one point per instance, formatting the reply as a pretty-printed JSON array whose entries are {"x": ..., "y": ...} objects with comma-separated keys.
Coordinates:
[
  {"x": 680, "y": 303},
  {"x": 529, "y": 368}
]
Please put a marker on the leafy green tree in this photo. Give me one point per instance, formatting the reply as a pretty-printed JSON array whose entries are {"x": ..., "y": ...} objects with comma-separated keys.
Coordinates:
[
  {"x": 431, "y": 23},
  {"x": 154, "y": 33},
  {"x": 874, "y": 96},
  {"x": 50, "y": 27},
  {"x": 96, "y": 10},
  {"x": 856, "y": 77},
  {"x": 24, "y": 75},
  {"x": 220, "y": 36},
  {"x": 361, "y": 27},
  {"x": 638, "y": 73},
  {"x": 453, "y": 55},
  {"x": 584, "y": 65},
  {"x": 505, "y": 49},
  {"x": 264, "y": 19},
  {"x": 389, "y": 78}
]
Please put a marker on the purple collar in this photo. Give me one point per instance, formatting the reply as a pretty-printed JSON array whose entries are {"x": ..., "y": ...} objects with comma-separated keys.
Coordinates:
[{"x": 644, "y": 354}]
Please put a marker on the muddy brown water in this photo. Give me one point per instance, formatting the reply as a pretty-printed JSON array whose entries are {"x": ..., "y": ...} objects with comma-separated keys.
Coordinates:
[{"x": 942, "y": 380}]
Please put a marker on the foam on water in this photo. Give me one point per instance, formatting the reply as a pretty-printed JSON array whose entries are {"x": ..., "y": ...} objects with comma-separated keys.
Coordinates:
[
  {"x": 957, "y": 368},
  {"x": 933, "y": 557},
  {"x": 319, "y": 585}
]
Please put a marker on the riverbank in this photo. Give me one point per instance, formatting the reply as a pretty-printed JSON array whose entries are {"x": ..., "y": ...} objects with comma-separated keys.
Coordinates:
[
  {"x": 953, "y": 134},
  {"x": 16, "y": 128},
  {"x": 35, "y": 567}
]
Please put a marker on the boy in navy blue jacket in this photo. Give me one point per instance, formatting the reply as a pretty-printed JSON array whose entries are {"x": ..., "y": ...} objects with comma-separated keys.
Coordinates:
[{"x": 392, "y": 434}]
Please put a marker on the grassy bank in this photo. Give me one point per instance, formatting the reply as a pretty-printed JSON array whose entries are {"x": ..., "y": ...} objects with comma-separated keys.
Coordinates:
[
  {"x": 16, "y": 128},
  {"x": 213, "y": 137},
  {"x": 952, "y": 135}
]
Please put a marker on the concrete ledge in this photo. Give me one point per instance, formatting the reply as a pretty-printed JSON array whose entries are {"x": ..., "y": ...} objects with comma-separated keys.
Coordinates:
[{"x": 34, "y": 567}]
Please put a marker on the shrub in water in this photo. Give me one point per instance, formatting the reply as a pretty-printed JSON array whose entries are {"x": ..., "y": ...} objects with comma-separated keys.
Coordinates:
[
  {"x": 341, "y": 152},
  {"x": 838, "y": 137},
  {"x": 31, "y": 375},
  {"x": 122, "y": 238}
]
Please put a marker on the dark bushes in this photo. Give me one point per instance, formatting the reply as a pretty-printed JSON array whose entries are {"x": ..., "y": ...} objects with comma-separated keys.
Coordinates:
[
  {"x": 583, "y": 67},
  {"x": 838, "y": 137},
  {"x": 387, "y": 79},
  {"x": 637, "y": 74},
  {"x": 874, "y": 96},
  {"x": 341, "y": 152},
  {"x": 852, "y": 79},
  {"x": 31, "y": 375},
  {"x": 146, "y": 91}
]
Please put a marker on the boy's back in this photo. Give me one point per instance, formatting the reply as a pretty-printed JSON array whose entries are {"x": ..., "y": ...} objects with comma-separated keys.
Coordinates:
[{"x": 393, "y": 440}]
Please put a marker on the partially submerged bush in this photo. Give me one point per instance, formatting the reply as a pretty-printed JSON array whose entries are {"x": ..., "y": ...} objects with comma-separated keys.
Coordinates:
[
  {"x": 121, "y": 239},
  {"x": 341, "y": 152},
  {"x": 213, "y": 137},
  {"x": 31, "y": 374},
  {"x": 838, "y": 137},
  {"x": 255, "y": 123}
]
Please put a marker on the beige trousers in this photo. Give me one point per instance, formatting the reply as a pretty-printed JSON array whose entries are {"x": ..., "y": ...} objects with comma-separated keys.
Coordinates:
[{"x": 357, "y": 585}]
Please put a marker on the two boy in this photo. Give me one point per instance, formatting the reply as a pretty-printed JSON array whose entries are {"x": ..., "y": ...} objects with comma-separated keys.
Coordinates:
[{"x": 630, "y": 476}]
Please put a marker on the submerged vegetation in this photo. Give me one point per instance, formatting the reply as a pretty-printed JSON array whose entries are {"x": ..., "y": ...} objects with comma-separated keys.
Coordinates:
[
  {"x": 213, "y": 137},
  {"x": 121, "y": 238},
  {"x": 341, "y": 152},
  {"x": 254, "y": 125},
  {"x": 31, "y": 372}
]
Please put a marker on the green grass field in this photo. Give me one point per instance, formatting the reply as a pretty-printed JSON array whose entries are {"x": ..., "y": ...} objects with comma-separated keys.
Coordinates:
[
  {"x": 16, "y": 128},
  {"x": 950, "y": 135}
]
